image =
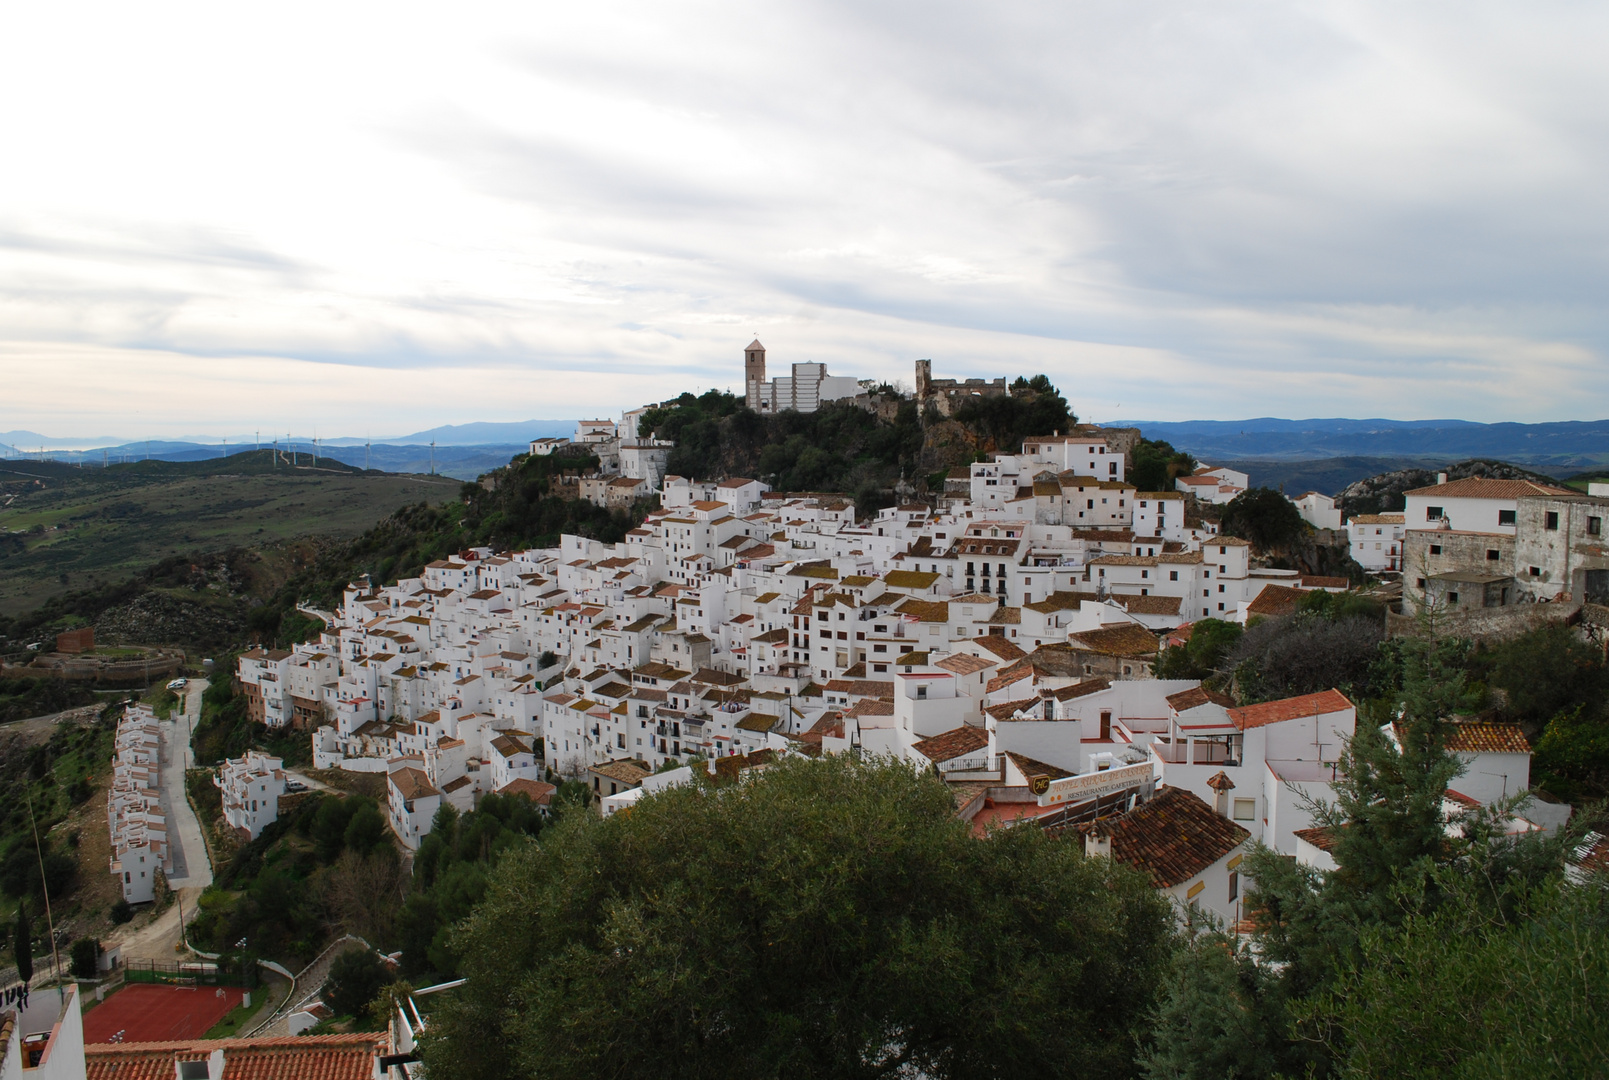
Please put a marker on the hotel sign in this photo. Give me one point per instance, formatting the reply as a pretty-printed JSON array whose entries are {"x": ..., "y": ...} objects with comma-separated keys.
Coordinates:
[{"x": 1073, "y": 789}]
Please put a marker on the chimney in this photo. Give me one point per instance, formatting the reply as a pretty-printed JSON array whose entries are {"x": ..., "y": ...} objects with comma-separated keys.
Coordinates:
[
  {"x": 1221, "y": 786},
  {"x": 1441, "y": 478},
  {"x": 1096, "y": 844}
]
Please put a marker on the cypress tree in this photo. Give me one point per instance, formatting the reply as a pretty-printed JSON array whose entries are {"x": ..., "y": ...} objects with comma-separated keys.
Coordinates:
[{"x": 22, "y": 944}]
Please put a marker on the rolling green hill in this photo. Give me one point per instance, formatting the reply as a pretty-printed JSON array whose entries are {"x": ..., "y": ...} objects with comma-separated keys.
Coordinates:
[{"x": 64, "y": 528}]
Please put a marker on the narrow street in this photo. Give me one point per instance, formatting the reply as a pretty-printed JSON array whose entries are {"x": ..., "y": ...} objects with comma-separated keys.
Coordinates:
[{"x": 191, "y": 867}]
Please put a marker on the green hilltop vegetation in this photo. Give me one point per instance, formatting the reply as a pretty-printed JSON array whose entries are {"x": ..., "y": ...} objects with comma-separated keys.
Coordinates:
[{"x": 62, "y": 526}]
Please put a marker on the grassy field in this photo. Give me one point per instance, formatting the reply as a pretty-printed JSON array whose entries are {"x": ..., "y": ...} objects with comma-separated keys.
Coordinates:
[{"x": 63, "y": 528}]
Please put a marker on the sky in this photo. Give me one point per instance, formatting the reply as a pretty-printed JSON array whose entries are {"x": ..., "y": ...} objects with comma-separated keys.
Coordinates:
[{"x": 369, "y": 219}]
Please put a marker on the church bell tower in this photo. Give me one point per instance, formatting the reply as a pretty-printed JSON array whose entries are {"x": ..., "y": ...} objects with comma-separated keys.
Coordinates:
[{"x": 754, "y": 373}]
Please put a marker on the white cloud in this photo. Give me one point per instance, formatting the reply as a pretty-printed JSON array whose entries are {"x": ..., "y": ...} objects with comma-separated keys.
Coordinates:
[{"x": 383, "y": 217}]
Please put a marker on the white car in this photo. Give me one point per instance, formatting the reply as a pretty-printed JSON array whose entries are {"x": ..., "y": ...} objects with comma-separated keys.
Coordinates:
[{"x": 178, "y": 684}]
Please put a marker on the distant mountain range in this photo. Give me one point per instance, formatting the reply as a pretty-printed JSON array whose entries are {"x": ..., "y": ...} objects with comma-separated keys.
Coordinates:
[
  {"x": 462, "y": 451},
  {"x": 16, "y": 443},
  {"x": 1557, "y": 448}
]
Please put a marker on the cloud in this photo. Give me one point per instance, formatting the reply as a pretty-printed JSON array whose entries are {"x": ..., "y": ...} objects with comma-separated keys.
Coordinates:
[{"x": 1242, "y": 209}]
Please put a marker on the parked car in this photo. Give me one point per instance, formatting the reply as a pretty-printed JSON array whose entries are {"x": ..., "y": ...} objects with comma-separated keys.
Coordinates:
[
  {"x": 178, "y": 684},
  {"x": 295, "y": 785}
]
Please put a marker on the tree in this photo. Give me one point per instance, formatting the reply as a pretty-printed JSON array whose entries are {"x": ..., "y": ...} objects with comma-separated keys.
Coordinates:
[
  {"x": 826, "y": 918},
  {"x": 1220, "y": 1015},
  {"x": 329, "y": 825},
  {"x": 86, "y": 955},
  {"x": 356, "y": 978},
  {"x": 1575, "y": 750},
  {"x": 1210, "y": 640},
  {"x": 1156, "y": 464},
  {"x": 1304, "y": 654},
  {"x": 1264, "y": 518},
  {"x": 366, "y": 830},
  {"x": 22, "y": 944},
  {"x": 1464, "y": 990},
  {"x": 1545, "y": 672}
]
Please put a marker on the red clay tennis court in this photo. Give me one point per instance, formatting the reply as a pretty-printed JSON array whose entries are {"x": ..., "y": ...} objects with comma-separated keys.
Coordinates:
[{"x": 153, "y": 1012}]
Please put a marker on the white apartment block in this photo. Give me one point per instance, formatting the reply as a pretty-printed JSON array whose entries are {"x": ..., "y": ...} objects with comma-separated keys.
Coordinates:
[
  {"x": 251, "y": 787},
  {"x": 134, "y": 815},
  {"x": 1376, "y": 541}
]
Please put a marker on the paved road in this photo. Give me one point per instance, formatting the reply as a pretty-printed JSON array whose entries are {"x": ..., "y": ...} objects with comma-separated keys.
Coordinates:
[{"x": 191, "y": 868}]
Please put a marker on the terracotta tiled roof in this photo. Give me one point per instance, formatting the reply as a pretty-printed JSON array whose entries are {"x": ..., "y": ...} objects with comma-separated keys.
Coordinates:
[
  {"x": 1197, "y": 696},
  {"x": 964, "y": 664},
  {"x": 1323, "y": 839},
  {"x": 1479, "y": 487},
  {"x": 1378, "y": 519},
  {"x": 1314, "y": 581},
  {"x": 1173, "y": 837},
  {"x": 1000, "y": 645},
  {"x": 1220, "y": 781},
  {"x": 1275, "y": 600},
  {"x": 1017, "y": 673},
  {"x": 1126, "y": 640},
  {"x": 1273, "y": 712},
  {"x": 866, "y": 688},
  {"x": 1060, "y": 601},
  {"x": 1031, "y": 767},
  {"x": 935, "y": 611},
  {"x": 1149, "y": 605},
  {"x": 910, "y": 579},
  {"x": 626, "y": 770},
  {"x": 952, "y": 744},
  {"x": 1081, "y": 689},
  {"x": 535, "y": 790},
  {"x": 412, "y": 783},
  {"x": 300, "y": 1057},
  {"x": 1487, "y": 738},
  {"x": 871, "y": 707},
  {"x": 1006, "y": 710}
]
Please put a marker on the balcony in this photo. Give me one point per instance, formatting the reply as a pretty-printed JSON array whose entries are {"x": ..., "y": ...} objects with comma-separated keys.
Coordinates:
[{"x": 1207, "y": 752}]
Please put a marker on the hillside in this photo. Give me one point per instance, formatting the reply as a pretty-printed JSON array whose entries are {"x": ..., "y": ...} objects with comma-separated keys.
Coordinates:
[
  {"x": 65, "y": 528},
  {"x": 1383, "y": 493}
]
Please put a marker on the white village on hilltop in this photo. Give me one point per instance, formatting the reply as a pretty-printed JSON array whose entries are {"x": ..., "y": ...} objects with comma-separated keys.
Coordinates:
[{"x": 1004, "y": 639}]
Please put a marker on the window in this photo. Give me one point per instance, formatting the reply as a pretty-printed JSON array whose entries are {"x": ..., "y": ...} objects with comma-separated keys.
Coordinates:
[
  {"x": 921, "y": 692},
  {"x": 1536, "y": 571},
  {"x": 1452, "y": 598},
  {"x": 1595, "y": 526},
  {"x": 1421, "y": 581},
  {"x": 1433, "y": 513},
  {"x": 1491, "y": 555},
  {"x": 1505, "y": 517},
  {"x": 1173, "y": 575},
  {"x": 1435, "y": 549},
  {"x": 1245, "y": 809},
  {"x": 1552, "y": 521},
  {"x": 1234, "y": 885}
]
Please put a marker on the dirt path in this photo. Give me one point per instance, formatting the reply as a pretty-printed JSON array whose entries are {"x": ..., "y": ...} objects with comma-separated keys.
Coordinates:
[{"x": 155, "y": 940}]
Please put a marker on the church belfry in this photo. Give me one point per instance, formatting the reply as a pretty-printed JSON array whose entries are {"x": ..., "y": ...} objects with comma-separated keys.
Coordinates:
[{"x": 754, "y": 373}]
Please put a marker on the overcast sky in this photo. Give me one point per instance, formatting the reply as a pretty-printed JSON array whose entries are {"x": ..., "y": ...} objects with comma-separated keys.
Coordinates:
[{"x": 372, "y": 219}]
